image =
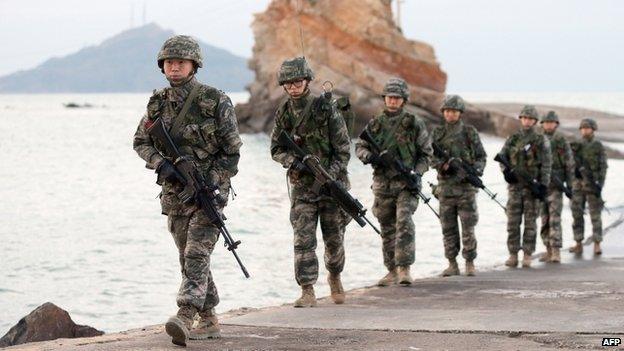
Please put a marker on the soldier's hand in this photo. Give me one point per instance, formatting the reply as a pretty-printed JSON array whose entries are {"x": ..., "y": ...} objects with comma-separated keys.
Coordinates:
[
  {"x": 510, "y": 177},
  {"x": 298, "y": 166},
  {"x": 415, "y": 182},
  {"x": 167, "y": 172},
  {"x": 386, "y": 158},
  {"x": 374, "y": 159}
]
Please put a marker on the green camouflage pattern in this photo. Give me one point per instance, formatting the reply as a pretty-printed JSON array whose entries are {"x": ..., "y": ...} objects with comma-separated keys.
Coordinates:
[
  {"x": 456, "y": 196},
  {"x": 294, "y": 69},
  {"x": 323, "y": 133},
  {"x": 209, "y": 135},
  {"x": 588, "y": 123},
  {"x": 521, "y": 204},
  {"x": 562, "y": 158},
  {"x": 550, "y": 216},
  {"x": 396, "y": 87},
  {"x": 593, "y": 152},
  {"x": 180, "y": 47},
  {"x": 551, "y": 116},
  {"x": 453, "y": 102},
  {"x": 529, "y": 111}
]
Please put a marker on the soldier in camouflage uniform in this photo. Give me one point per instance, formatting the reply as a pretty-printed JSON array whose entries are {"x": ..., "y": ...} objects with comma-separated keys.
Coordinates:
[
  {"x": 207, "y": 133},
  {"x": 317, "y": 126},
  {"x": 562, "y": 170},
  {"x": 402, "y": 136},
  {"x": 457, "y": 196},
  {"x": 591, "y": 166},
  {"x": 528, "y": 152}
]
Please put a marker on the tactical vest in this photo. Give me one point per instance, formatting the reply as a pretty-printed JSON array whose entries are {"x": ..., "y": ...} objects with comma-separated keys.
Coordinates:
[
  {"x": 592, "y": 152},
  {"x": 558, "y": 150},
  {"x": 525, "y": 152},
  {"x": 398, "y": 135}
]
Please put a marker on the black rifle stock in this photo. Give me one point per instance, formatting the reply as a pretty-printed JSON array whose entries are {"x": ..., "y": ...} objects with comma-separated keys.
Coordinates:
[
  {"x": 537, "y": 190},
  {"x": 410, "y": 176},
  {"x": 196, "y": 189},
  {"x": 565, "y": 188},
  {"x": 322, "y": 179},
  {"x": 467, "y": 171}
]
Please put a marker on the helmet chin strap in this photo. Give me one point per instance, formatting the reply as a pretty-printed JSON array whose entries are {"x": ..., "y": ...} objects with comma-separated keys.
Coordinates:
[{"x": 178, "y": 84}]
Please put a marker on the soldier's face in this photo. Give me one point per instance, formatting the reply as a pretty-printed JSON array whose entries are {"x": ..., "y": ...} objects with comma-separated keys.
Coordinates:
[
  {"x": 587, "y": 132},
  {"x": 550, "y": 126},
  {"x": 296, "y": 88},
  {"x": 393, "y": 103},
  {"x": 527, "y": 122},
  {"x": 451, "y": 116},
  {"x": 177, "y": 70}
]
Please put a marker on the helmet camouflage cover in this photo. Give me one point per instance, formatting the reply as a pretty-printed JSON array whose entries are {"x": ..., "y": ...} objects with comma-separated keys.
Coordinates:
[
  {"x": 529, "y": 111},
  {"x": 551, "y": 116},
  {"x": 453, "y": 102},
  {"x": 396, "y": 87},
  {"x": 589, "y": 123},
  {"x": 294, "y": 69},
  {"x": 180, "y": 47}
]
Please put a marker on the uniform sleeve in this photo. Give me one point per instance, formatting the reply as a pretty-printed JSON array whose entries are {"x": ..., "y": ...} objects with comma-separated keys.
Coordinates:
[
  {"x": 602, "y": 154},
  {"x": 436, "y": 162},
  {"x": 229, "y": 138},
  {"x": 279, "y": 153},
  {"x": 142, "y": 142},
  {"x": 505, "y": 151},
  {"x": 363, "y": 148},
  {"x": 423, "y": 140},
  {"x": 480, "y": 156},
  {"x": 546, "y": 167},
  {"x": 340, "y": 142},
  {"x": 569, "y": 163}
]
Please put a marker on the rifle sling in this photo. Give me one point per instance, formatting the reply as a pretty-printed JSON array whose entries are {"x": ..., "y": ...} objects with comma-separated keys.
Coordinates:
[
  {"x": 177, "y": 123},
  {"x": 385, "y": 143}
]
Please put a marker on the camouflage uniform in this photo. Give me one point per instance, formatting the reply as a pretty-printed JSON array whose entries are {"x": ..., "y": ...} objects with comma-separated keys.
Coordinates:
[
  {"x": 321, "y": 131},
  {"x": 208, "y": 134},
  {"x": 562, "y": 169},
  {"x": 406, "y": 138},
  {"x": 593, "y": 153},
  {"x": 527, "y": 151},
  {"x": 456, "y": 195}
]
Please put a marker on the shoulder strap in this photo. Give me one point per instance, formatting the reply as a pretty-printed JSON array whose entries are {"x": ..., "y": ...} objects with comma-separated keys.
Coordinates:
[
  {"x": 304, "y": 115},
  {"x": 187, "y": 105}
]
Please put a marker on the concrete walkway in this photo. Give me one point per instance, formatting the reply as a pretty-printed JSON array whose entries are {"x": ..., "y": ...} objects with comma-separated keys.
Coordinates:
[{"x": 548, "y": 307}]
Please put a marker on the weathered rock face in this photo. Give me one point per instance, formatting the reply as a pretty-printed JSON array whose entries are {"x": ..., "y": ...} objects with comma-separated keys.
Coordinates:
[{"x": 46, "y": 322}]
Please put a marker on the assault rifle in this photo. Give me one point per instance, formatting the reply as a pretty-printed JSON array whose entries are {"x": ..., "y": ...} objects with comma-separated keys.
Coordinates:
[
  {"x": 412, "y": 178},
  {"x": 325, "y": 181},
  {"x": 514, "y": 175},
  {"x": 565, "y": 188},
  {"x": 583, "y": 171},
  {"x": 464, "y": 170},
  {"x": 196, "y": 189}
]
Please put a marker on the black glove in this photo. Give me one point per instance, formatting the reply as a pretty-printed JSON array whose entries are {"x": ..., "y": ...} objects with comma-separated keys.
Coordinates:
[
  {"x": 374, "y": 160},
  {"x": 299, "y": 167},
  {"x": 386, "y": 159},
  {"x": 415, "y": 182},
  {"x": 510, "y": 177},
  {"x": 167, "y": 172}
]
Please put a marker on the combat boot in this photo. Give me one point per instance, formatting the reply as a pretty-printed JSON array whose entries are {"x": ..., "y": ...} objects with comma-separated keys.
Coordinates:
[
  {"x": 577, "y": 249},
  {"x": 597, "y": 249},
  {"x": 526, "y": 260},
  {"x": 179, "y": 325},
  {"x": 512, "y": 261},
  {"x": 547, "y": 255},
  {"x": 388, "y": 279},
  {"x": 470, "y": 268},
  {"x": 207, "y": 327},
  {"x": 452, "y": 269},
  {"x": 307, "y": 299},
  {"x": 335, "y": 286},
  {"x": 403, "y": 275},
  {"x": 555, "y": 255}
]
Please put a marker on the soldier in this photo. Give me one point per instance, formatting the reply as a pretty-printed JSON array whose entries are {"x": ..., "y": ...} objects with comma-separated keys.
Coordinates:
[
  {"x": 562, "y": 170},
  {"x": 316, "y": 125},
  {"x": 456, "y": 195},
  {"x": 529, "y": 154},
  {"x": 402, "y": 136},
  {"x": 201, "y": 121},
  {"x": 590, "y": 173}
]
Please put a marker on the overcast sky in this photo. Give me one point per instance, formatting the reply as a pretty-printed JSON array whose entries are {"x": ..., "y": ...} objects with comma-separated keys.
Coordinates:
[{"x": 483, "y": 45}]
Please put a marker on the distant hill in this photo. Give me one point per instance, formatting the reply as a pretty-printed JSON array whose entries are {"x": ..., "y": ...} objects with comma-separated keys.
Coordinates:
[{"x": 124, "y": 63}]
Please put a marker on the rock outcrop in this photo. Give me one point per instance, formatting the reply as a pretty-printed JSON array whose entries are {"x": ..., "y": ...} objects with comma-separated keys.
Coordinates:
[
  {"x": 46, "y": 322},
  {"x": 356, "y": 45}
]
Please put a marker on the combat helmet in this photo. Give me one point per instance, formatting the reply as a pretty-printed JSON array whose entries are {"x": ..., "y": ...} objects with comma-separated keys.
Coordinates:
[
  {"x": 529, "y": 111},
  {"x": 396, "y": 87},
  {"x": 294, "y": 69},
  {"x": 589, "y": 123},
  {"x": 180, "y": 47},
  {"x": 551, "y": 116},
  {"x": 453, "y": 102}
]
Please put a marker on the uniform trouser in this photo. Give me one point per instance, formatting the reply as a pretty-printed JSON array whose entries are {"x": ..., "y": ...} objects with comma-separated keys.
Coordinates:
[
  {"x": 464, "y": 207},
  {"x": 394, "y": 213},
  {"x": 304, "y": 216},
  {"x": 195, "y": 238},
  {"x": 550, "y": 230},
  {"x": 579, "y": 198},
  {"x": 521, "y": 204}
]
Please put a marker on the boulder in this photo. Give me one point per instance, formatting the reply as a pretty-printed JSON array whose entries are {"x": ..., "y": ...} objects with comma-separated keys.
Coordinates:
[{"x": 46, "y": 322}]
